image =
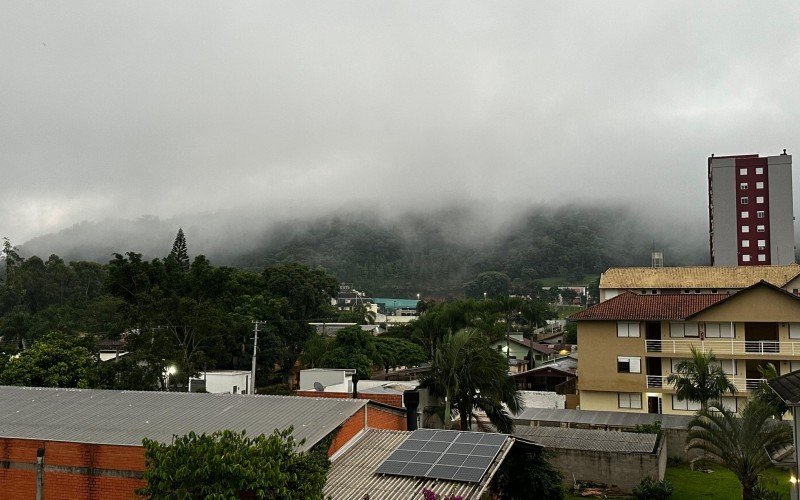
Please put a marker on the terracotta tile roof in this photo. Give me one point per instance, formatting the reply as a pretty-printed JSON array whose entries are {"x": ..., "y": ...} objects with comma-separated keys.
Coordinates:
[
  {"x": 630, "y": 306},
  {"x": 536, "y": 346},
  {"x": 721, "y": 277}
]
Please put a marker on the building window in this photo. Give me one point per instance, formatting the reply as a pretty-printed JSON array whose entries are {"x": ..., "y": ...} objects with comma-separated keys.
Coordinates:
[
  {"x": 654, "y": 291},
  {"x": 681, "y": 330},
  {"x": 760, "y": 214},
  {"x": 674, "y": 362},
  {"x": 745, "y": 243},
  {"x": 742, "y": 185},
  {"x": 629, "y": 364},
  {"x": 762, "y": 244},
  {"x": 762, "y": 257},
  {"x": 744, "y": 200},
  {"x": 729, "y": 403},
  {"x": 794, "y": 332},
  {"x": 719, "y": 331},
  {"x": 745, "y": 229},
  {"x": 759, "y": 185},
  {"x": 794, "y": 366},
  {"x": 627, "y": 329},
  {"x": 684, "y": 405},
  {"x": 630, "y": 400},
  {"x": 745, "y": 215},
  {"x": 760, "y": 228},
  {"x": 742, "y": 171},
  {"x": 745, "y": 258},
  {"x": 759, "y": 199},
  {"x": 713, "y": 290},
  {"x": 759, "y": 170}
]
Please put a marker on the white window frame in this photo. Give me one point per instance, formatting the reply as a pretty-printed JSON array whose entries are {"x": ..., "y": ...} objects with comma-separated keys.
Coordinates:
[
  {"x": 745, "y": 258},
  {"x": 745, "y": 243},
  {"x": 742, "y": 185},
  {"x": 729, "y": 402},
  {"x": 719, "y": 331},
  {"x": 760, "y": 214},
  {"x": 634, "y": 364},
  {"x": 674, "y": 362},
  {"x": 628, "y": 329},
  {"x": 742, "y": 171},
  {"x": 759, "y": 170},
  {"x": 794, "y": 332},
  {"x": 759, "y": 199},
  {"x": 632, "y": 400},
  {"x": 760, "y": 228},
  {"x": 794, "y": 365},
  {"x": 745, "y": 229},
  {"x": 762, "y": 257},
  {"x": 728, "y": 366},
  {"x": 678, "y": 329},
  {"x": 744, "y": 200},
  {"x": 759, "y": 185},
  {"x": 745, "y": 215}
]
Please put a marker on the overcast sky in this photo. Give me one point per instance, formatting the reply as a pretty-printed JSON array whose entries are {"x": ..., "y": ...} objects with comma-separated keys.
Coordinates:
[{"x": 114, "y": 108}]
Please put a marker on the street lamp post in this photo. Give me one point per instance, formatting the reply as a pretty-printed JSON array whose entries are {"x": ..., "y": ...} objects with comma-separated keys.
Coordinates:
[{"x": 171, "y": 370}]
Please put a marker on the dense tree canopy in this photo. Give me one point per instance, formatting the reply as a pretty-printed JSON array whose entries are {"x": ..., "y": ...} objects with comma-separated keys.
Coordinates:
[
  {"x": 57, "y": 360},
  {"x": 229, "y": 464}
]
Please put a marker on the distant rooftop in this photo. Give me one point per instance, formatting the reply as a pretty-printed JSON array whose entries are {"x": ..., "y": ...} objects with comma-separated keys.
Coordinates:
[
  {"x": 125, "y": 417},
  {"x": 611, "y": 419},
  {"x": 696, "y": 277},
  {"x": 632, "y": 306},
  {"x": 589, "y": 439}
]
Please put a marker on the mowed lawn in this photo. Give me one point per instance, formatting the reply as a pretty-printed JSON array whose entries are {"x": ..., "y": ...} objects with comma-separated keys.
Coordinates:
[{"x": 719, "y": 485}]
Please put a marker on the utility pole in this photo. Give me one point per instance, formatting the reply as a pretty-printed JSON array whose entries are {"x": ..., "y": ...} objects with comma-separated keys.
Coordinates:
[{"x": 252, "y": 389}]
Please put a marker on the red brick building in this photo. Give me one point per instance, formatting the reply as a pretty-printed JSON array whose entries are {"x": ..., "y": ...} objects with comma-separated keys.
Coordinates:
[{"x": 72, "y": 444}]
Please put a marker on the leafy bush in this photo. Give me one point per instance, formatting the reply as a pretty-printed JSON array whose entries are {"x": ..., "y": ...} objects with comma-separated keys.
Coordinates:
[
  {"x": 650, "y": 489},
  {"x": 228, "y": 464}
]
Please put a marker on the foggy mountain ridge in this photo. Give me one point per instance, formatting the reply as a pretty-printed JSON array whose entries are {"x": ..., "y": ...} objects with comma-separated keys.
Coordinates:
[{"x": 434, "y": 252}]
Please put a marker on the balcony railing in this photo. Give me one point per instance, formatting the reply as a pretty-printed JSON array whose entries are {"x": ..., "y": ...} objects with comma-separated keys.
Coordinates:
[
  {"x": 743, "y": 347},
  {"x": 742, "y": 384}
]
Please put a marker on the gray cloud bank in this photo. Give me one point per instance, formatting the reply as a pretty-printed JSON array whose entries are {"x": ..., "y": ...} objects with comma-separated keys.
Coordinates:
[{"x": 285, "y": 109}]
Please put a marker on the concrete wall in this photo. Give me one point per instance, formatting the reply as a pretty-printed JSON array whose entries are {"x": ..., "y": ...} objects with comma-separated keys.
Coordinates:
[
  {"x": 781, "y": 209},
  {"x": 324, "y": 377},
  {"x": 543, "y": 399},
  {"x": 723, "y": 172},
  {"x": 224, "y": 383},
  {"x": 625, "y": 470}
]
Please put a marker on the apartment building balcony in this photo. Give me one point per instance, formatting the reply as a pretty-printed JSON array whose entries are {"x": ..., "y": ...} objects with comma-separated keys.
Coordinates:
[
  {"x": 742, "y": 384},
  {"x": 725, "y": 346}
]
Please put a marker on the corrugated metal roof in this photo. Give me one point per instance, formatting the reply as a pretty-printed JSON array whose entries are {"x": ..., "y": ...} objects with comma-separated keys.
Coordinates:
[
  {"x": 352, "y": 475},
  {"x": 719, "y": 277},
  {"x": 615, "y": 419},
  {"x": 787, "y": 387},
  {"x": 125, "y": 417},
  {"x": 631, "y": 306},
  {"x": 589, "y": 439}
]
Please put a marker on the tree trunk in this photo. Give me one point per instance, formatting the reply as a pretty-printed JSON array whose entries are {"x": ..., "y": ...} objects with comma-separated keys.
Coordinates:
[
  {"x": 447, "y": 417},
  {"x": 748, "y": 489}
]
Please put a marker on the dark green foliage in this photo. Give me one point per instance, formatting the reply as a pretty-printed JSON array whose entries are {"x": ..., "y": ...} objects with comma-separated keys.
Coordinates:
[
  {"x": 468, "y": 375},
  {"x": 57, "y": 360},
  {"x": 654, "y": 428},
  {"x": 650, "y": 489},
  {"x": 767, "y": 395},
  {"x": 227, "y": 465},
  {"x": 492, "y": 284},
  {"x": 700, "y": 379},
  {"x": 394, "y": 352},
  {"x": 180, "y": 253},
  {"x": 526, "y": 473},
  {"x": 351, "y": 348},
  {"x": 571, "y": 333}
]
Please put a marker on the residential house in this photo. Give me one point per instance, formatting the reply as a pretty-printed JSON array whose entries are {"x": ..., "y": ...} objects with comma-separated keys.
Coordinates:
[
  {"x": 631, "y": 343},
  {"x": 519, "y": 351}
]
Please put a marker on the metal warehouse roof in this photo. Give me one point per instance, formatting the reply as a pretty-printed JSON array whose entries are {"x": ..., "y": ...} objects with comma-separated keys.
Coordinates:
[
  {"x": 787, "y": 387},
  {"x": 613, "y": 419},
  {"x": 125, "y": 417},
  {"x": 720, "y": 277},
  {"x": 352, "y": 475},
  {"x": 589, "y": 439}
]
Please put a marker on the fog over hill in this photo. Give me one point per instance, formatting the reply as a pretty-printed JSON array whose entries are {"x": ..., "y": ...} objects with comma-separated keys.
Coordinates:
[{"x": 435, "y": 252}]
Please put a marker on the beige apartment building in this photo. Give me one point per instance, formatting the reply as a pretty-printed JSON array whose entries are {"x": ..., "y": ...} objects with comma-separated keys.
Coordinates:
[{"x": 632, "y": 342}]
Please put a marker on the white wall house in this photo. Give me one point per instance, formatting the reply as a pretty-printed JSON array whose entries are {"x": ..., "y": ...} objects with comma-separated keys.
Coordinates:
[{"x": 221, "y": 382}]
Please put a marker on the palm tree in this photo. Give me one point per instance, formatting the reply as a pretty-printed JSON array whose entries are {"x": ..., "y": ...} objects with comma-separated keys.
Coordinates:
[
  {"x": 767, "y": 395},
  {"x": 738, "y": 444},
  {"x": 471, "y": 376},
  {"x": 700, "y": 379}
]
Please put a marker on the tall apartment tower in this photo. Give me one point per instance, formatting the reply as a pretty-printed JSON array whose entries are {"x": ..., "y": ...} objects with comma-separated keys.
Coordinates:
[{"x": 751, "y": 219}]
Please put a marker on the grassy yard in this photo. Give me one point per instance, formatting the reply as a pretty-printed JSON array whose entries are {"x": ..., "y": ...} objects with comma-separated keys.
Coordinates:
[{"x": 719, "y": 485}]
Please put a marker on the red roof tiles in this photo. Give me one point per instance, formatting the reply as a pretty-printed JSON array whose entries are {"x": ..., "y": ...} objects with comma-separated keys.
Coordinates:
[{"x": 630, "y": 306}]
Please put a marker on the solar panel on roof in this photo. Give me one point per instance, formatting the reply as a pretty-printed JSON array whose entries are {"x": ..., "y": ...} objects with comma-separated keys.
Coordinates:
[{"x": 448, "y": 455}]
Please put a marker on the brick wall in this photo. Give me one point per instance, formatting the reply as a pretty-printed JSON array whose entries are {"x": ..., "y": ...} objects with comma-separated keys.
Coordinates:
[
  {"x": 387, "y": 399},
  {"x": 384, "y": 418},
  {"x": 348, "y": 430},
  {"x": 71, "y": 470}
]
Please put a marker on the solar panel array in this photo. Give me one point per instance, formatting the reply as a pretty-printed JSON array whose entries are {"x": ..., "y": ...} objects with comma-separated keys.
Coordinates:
[{"x": 449, "y": 455}]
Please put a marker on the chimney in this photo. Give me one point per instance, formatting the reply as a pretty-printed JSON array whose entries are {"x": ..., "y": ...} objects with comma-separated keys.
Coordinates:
[
  {"x": 411, "y": 402},
  {"x": 355, "y": 386}
]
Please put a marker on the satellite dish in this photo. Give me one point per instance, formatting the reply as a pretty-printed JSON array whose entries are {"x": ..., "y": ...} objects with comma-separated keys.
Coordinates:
[{"x": 319, "y": 387}]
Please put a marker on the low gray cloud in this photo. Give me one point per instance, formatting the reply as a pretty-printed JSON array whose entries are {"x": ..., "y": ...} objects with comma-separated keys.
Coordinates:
[{"x": 117, "y": 109}]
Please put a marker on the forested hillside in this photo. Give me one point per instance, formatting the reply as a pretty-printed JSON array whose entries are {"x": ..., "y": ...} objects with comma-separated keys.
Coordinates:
[{"x": 408, "y": 253}]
